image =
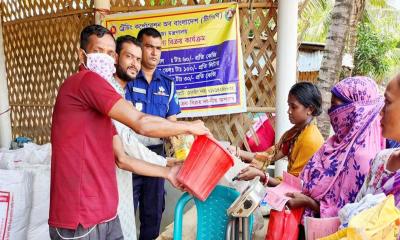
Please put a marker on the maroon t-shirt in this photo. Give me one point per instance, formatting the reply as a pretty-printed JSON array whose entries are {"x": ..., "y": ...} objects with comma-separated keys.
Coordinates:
[{"x": 83, "y": 180}]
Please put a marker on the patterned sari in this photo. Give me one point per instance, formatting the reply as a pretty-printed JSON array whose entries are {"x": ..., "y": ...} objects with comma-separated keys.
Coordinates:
[
  {"x": 335, "y": 174},
  {"x": 381, "y": 180}
]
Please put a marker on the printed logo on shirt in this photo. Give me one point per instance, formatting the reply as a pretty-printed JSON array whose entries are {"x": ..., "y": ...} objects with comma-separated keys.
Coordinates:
[
  {"x": 176, "y": 99},
  {"x": 139, "y": 106},
  {"x": 161, "y": 92},
  {"x": 139, "y": 90}
]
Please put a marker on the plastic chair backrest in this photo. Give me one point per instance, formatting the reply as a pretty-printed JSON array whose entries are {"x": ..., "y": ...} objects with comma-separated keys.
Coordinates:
[{"x": 212, "y": 219}]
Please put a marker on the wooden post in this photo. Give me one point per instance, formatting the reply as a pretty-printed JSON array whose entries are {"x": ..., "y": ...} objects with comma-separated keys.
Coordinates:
[
  {"x": 101, "y": 9},
  {"x": 5, "y": 121}
]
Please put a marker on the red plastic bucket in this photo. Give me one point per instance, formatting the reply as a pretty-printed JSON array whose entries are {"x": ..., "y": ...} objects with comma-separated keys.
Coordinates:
[{"x": 205, "y": 165}]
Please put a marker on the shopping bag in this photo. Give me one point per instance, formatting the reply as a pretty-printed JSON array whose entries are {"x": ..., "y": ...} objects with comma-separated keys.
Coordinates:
[
  {"x": 376, "y": 223},
  {"x": 316, "y": 228},
  {"x": 284, "y": 224},
  {"x": 379, "y": 222}
]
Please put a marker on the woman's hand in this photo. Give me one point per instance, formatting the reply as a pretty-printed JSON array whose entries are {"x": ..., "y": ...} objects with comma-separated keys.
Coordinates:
[
  {"x": 250, "y": 173},
  {"x": 245, "y": 156},
  {"x": 257, "y": 164},
  {"x": 299, "y": 200}
]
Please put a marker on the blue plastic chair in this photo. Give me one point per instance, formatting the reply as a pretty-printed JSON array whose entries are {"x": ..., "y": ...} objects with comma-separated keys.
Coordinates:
[{"x": 212, "y": 219}]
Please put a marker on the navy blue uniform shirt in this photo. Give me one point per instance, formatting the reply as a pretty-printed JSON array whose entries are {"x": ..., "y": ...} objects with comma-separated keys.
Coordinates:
[{"x": 154, "y": 98}]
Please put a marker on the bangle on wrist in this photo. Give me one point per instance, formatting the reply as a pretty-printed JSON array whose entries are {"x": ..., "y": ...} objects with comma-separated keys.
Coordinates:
[{"x": 266, "y": 178}]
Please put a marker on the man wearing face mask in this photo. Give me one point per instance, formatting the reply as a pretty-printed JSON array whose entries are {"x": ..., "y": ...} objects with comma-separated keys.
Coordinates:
[
  {"x": 85, "y": 147},
  {"x": 152, "y": 92}
]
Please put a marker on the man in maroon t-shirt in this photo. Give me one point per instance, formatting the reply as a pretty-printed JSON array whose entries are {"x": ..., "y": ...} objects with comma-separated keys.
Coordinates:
[{"x": 83, "y": 194}]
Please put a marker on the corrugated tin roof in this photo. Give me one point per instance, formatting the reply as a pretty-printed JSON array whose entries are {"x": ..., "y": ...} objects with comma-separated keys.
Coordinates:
[{"x": 309, "y": 61}]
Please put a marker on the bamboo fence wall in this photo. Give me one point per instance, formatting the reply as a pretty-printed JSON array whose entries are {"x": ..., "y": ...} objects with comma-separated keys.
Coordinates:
[{"x": 41, "y": 39}]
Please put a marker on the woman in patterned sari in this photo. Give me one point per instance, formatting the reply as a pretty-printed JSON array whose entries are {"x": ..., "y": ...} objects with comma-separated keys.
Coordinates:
[
  {"x": 384, "y": 176},
  {"x": 335, "y": 174}
]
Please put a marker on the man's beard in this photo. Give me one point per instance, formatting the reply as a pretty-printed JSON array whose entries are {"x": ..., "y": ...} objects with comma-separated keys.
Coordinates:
[{"x": 123, "y": 75}]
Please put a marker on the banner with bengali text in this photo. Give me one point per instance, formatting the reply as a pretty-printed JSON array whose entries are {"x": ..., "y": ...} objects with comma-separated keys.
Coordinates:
[{"x": 201, "y": 50}]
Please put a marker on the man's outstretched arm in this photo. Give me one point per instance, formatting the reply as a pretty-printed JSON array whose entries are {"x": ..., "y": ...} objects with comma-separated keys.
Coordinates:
[{"x": 153, "y": 126}]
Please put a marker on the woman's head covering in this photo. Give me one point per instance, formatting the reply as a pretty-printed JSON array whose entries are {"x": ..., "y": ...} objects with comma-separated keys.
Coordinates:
[{"x": 335, "y": 174}]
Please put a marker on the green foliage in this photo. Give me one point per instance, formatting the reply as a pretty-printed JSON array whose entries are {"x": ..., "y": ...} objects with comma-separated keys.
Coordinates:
[
  {"x": 385, "y": 22},
  {"x": 378, "y": 3},
  {"x": 370, "y": 52},
  {"x": 378, "y": 44},
  {"x": 371, "y": 57},
  {"x": 315, "y": 20}
]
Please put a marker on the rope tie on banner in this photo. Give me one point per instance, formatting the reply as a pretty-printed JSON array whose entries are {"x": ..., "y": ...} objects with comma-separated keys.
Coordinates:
[
  {"x": 1, "y": 113},
  {"x": 102, "y": 11}
]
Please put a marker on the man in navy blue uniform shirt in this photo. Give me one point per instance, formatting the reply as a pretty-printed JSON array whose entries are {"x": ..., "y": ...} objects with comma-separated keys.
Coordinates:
[{"x": 152, "y": 92}]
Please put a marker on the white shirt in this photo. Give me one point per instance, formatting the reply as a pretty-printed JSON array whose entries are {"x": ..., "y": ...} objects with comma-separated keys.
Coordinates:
[{"x": 130, "y": 139}]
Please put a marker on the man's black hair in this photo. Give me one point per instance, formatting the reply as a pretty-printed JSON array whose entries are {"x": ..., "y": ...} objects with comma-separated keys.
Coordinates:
[
  {"x": 308, "y": 95},
  {"x": 90, "y": 30},
  {"x": 152, "y": 32},
  {"x": 126, "y": 39}
]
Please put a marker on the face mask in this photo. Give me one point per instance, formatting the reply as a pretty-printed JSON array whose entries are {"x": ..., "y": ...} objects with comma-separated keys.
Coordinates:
[
  {"x": 333, "y": 108},
  {"x": 101, "y": 63}
]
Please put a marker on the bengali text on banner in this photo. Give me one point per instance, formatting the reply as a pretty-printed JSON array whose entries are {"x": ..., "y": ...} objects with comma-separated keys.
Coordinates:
[{"x": 201, "y": 50}]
